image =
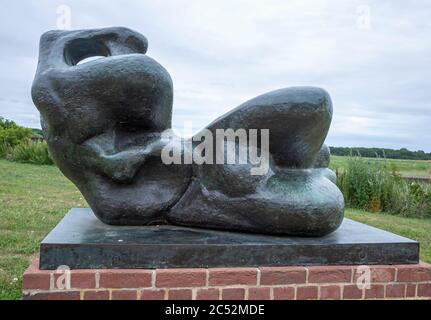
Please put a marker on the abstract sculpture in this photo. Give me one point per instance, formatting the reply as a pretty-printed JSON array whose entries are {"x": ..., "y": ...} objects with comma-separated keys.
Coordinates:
[{"x": 104, "y": 122}]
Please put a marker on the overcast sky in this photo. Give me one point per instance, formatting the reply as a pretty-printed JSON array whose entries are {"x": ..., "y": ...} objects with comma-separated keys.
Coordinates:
[{"x": 373, "y": 58}]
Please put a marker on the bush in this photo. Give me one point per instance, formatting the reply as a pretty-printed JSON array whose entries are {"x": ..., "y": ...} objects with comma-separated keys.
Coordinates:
[
  {"x": 5, "y": 149},
  {"x": 16, "y": 144},
  {"x": 13, "y": 136},
  {"x": 31, "y": 152},
  {"x": 374, "y": 186}
]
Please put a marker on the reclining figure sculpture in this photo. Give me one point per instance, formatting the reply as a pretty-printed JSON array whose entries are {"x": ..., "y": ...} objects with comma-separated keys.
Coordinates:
[{"x": 104, "y": 121}]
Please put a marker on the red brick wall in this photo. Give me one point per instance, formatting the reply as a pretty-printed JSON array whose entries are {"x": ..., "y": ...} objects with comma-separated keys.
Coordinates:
[{"x": 324, "y": 282}]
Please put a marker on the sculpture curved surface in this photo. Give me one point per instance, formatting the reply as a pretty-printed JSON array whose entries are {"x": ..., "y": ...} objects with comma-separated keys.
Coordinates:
[{"x": 105, "y": 123}]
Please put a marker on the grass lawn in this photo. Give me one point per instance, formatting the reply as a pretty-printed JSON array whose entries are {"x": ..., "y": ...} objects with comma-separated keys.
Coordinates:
[
  {"x": 32, "y": 201},
  {"x": 34, "y": 198},
  {"x": 406, "y": 168}
]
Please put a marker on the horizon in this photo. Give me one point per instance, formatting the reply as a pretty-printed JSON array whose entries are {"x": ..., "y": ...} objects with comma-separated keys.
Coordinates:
[{"x": 330, "y": 146}]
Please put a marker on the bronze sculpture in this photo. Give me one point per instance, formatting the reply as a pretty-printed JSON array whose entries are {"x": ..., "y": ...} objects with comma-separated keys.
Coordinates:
[{"x": 104, "y": 123}]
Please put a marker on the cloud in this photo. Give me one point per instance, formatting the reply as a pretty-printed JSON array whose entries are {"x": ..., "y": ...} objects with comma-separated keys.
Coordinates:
[{"x": 221, "y": 53}]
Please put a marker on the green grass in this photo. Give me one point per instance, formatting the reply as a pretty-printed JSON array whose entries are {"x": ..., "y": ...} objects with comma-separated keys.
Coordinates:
[
  {"x": 406, "y": 168},
  {"x": 34, "y": 198}
]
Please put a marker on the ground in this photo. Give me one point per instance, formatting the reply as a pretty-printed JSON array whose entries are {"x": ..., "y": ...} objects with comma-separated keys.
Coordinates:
[{"x": 34, "y": 198}]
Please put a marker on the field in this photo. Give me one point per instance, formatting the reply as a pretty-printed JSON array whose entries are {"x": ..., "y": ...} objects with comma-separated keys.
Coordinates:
[
  {"x": 34, "y": 198},
  {"x": 414, "y": 169}
]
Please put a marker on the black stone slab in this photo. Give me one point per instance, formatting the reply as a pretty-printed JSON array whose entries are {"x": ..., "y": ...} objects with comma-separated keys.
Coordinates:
[{"x": 81, "y": 241}]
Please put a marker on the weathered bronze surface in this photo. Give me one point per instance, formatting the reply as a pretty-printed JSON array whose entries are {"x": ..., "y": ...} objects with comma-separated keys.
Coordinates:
[{"x": 103, "y": 121}]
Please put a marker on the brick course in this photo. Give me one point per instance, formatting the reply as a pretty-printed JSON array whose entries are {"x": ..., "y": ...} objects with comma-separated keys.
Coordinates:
[{"x": 275, "y": 283}]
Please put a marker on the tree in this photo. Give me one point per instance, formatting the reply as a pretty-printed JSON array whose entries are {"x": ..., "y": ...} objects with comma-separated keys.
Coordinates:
[
  {"x": 5, "y": 124},
  {"x": 381, "y": 153}
]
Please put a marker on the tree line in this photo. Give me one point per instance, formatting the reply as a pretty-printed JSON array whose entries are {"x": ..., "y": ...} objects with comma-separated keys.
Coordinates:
[
  {"x": 402, "y": 153},
  {"x": 11, "y": 135}
]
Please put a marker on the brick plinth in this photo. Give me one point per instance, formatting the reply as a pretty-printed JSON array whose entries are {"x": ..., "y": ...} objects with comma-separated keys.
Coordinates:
[{"x": 266, "y": 283}]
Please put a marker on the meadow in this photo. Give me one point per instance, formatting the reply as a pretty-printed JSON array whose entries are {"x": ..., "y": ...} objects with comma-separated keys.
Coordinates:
[
  {"x": 413, "y": 169},
  {"x": 33, "y": 199}
]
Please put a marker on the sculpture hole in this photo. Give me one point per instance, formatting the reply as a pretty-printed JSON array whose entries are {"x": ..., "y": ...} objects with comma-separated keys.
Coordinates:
[{"x": 79, "y": 51}]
